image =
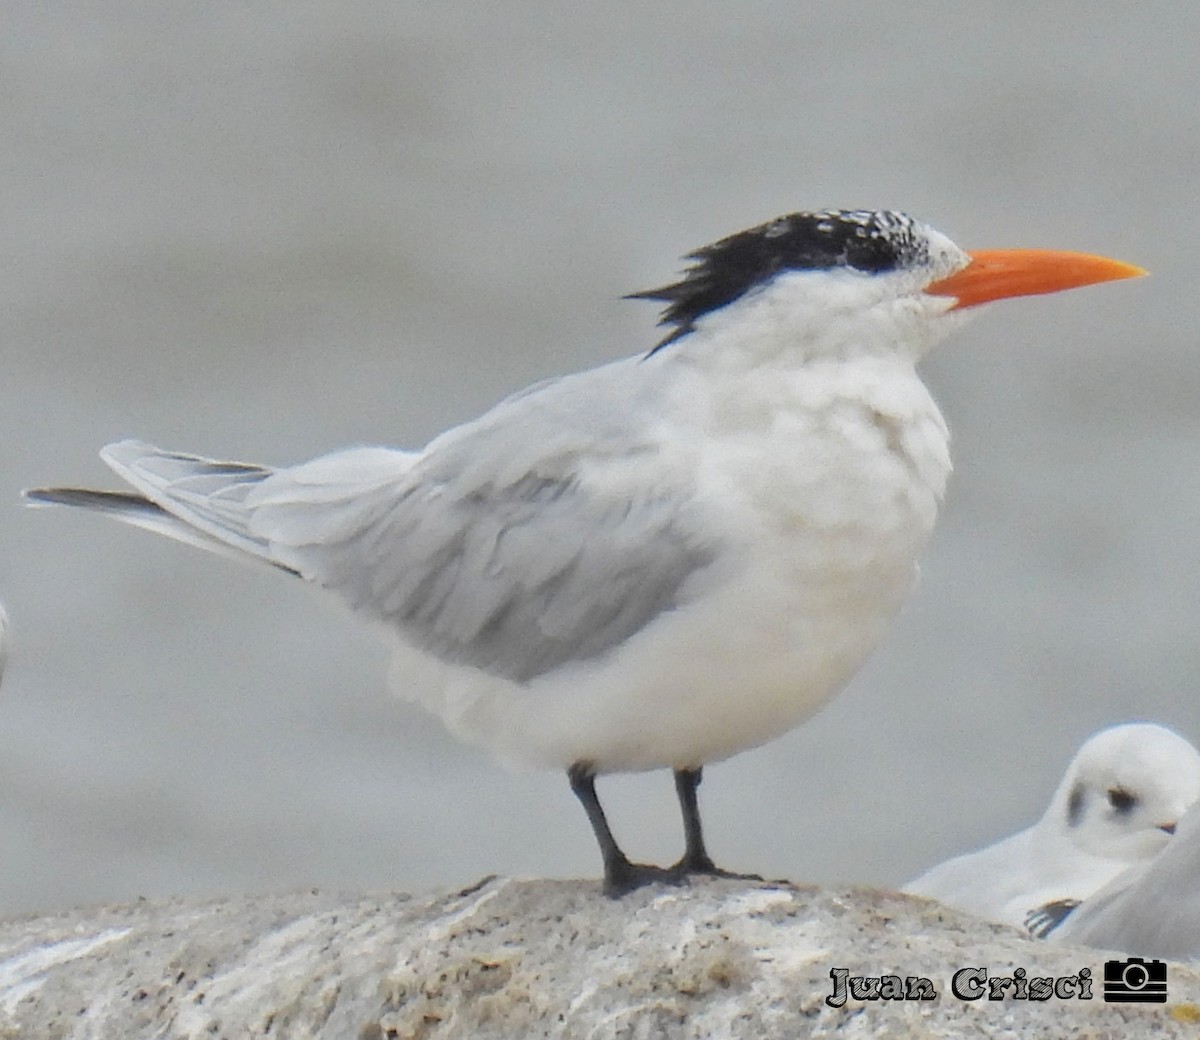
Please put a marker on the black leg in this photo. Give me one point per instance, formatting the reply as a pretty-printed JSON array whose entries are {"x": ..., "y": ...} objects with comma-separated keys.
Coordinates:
[
  {"x": 696, "y": 859},
  {"x": 620, "y": 875},
  {"x": 1042, "y": 920}
]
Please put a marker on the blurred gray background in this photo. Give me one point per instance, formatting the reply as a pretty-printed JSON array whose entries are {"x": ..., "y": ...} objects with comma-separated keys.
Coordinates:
[{"x": 264, "y": 231}]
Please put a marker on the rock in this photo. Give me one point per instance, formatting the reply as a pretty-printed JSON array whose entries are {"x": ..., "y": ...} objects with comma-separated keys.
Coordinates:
[{"x": 521, "y": 959}]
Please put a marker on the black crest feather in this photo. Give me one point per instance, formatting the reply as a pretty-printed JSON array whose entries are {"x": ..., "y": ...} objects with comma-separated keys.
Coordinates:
[{"x": 865, "y": 240}]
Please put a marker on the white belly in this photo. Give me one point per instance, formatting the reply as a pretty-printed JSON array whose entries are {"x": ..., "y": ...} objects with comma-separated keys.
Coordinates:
[{"x": 740, "y": 664}]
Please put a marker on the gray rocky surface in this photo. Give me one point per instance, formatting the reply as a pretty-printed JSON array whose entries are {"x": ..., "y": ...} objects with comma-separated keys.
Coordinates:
[{"x": 512, "y": 958}]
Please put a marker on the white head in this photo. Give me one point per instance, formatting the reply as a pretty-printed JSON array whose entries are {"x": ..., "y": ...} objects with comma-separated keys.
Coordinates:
[
  {"x": 1125, "y": 790},
  {"x": 837, "y": 281}
]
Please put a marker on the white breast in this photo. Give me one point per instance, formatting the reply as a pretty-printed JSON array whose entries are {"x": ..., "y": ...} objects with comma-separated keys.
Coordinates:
[{"x": 822, "y": 485}]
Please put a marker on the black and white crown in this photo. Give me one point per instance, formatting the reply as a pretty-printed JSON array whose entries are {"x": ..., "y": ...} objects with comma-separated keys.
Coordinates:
[{"x": 871, "y": 241}]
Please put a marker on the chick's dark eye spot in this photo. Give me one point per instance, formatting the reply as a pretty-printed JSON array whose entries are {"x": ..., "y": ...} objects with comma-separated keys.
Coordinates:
[
  {"x": 1075, "y": 806},
  {"x": 1121, "y": 800}
]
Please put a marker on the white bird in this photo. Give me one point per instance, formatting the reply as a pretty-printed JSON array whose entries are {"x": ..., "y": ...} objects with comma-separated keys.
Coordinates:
[
  {"x": 662, "y": 561},
  {"x": 1118, "y": 804},
  {"x": 1152, "y": 909}
]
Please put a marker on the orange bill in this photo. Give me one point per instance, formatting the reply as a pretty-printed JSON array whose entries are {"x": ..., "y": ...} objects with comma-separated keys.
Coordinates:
[{"x": 996, "y": 274}]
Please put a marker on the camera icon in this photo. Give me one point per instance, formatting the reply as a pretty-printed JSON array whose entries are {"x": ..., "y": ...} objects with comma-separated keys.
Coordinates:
[{"x": 1135, "y": 981}]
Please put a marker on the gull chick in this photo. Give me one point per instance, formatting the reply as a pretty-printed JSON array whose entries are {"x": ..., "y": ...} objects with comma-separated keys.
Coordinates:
[
  {"x": 660, "y": 562},
  {"x": 1118, "y": 804}
]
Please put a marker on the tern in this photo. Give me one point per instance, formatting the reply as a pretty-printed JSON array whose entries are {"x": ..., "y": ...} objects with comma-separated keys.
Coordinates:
[
  {"x": 659, "y": 562},
  {"x": 1117, "y": 805}
]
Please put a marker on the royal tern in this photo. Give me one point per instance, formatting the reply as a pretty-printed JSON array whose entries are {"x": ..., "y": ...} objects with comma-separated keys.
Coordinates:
[
  {"x": 662, "y": 561},
  {"x": 1117, "y": 805}
]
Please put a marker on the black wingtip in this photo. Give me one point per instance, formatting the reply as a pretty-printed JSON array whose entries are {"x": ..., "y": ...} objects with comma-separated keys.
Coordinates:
[
  {"x": 44, "y": 496},
  {"x": 122, "y": 501}
]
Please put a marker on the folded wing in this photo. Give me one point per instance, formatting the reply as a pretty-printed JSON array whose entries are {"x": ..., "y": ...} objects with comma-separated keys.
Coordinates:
[{"x": 514, "y": 569}]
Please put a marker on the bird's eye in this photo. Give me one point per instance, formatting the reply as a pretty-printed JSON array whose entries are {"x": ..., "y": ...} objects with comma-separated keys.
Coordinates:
[{"x": 1121, "y": 800}]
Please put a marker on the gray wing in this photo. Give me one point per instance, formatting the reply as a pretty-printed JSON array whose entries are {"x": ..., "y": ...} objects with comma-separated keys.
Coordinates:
[
  {"x": 542, "y": 533},
  {"x": 514, "y": 576},
  {"x": 547, "y": 531}
]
